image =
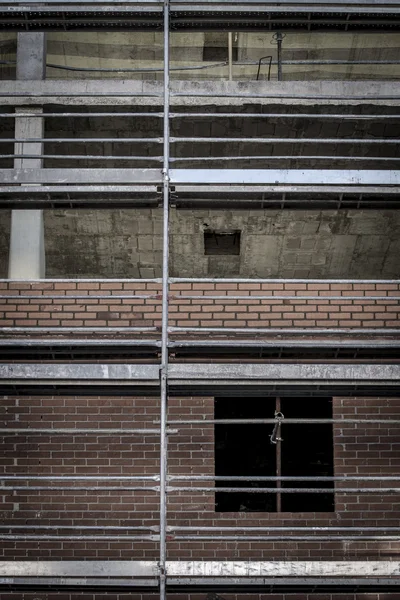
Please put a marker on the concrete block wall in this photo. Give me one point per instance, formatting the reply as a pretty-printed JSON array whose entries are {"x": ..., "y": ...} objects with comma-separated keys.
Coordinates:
[
  {"x": 127, "y": 243},
  {"x": 367, "y": 449},
  {"x": 52, "y": 305}
]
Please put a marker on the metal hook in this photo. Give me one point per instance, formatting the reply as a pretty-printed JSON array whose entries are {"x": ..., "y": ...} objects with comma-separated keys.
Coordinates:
[{"x": 274, "y": 438}]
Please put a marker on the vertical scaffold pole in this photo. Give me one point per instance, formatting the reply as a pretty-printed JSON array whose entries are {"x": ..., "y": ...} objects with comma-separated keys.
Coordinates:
[{"x": 164, "y": 329}]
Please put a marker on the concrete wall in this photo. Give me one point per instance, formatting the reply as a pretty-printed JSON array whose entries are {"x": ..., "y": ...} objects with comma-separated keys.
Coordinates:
[
  {"x": 127, "y": 243},
  {"x": 115, "y": 50},
  {"x": 138, "y": 50}
]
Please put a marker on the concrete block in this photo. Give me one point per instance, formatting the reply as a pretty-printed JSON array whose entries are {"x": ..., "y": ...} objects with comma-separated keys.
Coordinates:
[
  {"x": 261, "y": 255},
  {"x": 145, "y": 243},
  {"x": 307, "y": 243},
  {"x": 145, "y": 224},
  {"x": 146, "y": 272},
  {"x": 341, "y": 255},
  {"x": 292, "y": 243},
  {"x": 223, "y": 266}
]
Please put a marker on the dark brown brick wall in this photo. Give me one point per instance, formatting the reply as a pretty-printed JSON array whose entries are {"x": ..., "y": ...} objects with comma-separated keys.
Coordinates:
[
  {"x": 202, "y": 312},
  {"x": 361, "y": 449}
]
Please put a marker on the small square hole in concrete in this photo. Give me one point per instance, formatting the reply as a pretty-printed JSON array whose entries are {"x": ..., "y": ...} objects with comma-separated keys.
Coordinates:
[
  {"x": 225, "y": 243},
  {"x": 216, "y": 46}
]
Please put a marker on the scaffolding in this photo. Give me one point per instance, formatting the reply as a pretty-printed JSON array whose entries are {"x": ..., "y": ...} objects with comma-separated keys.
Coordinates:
[{"x": 154, "y": 186}]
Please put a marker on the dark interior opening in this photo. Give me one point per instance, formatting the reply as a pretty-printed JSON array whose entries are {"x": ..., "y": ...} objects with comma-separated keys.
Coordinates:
[
  {"x": 246, "y": 450},
  {"x": 216, "y": 46},
  {"x": 222, "y": 243}
]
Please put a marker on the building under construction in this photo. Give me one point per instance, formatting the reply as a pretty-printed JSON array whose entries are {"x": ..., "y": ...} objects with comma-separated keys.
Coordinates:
[{"x": 200, "y": 263}]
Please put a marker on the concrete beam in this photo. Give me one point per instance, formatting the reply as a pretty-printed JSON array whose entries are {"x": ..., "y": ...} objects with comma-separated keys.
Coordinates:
[
  {"x": 184, "y": 374},
  {"x": 97, "y": 92}
]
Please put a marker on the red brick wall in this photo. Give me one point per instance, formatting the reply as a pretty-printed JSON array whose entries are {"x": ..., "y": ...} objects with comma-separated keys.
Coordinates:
[
  {"x": 359, "y": 449},
  {"x": 202, "y": 312}
]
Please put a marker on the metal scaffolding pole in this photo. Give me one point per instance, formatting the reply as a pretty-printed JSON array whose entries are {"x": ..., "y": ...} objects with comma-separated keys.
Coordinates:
[{"x": 164, "y": 327}]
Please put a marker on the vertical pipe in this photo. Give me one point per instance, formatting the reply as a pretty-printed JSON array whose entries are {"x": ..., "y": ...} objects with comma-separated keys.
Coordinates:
[
  {"x": 278, "y": 460},
  {"x": 279, "y": 38},
  {"x": 230, "y": 56},
  {"x": 164, "y": 329}
]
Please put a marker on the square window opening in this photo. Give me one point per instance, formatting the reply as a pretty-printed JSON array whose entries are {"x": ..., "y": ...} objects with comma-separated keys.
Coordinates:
[
  {"x": 246, "y": 450},
  {"x": 225, "y": 243},
  {"x": 216, "y": 46}
]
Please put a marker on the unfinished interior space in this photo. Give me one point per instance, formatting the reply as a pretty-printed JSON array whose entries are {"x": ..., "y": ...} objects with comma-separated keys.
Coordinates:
[{"x": 199, "y": 290}]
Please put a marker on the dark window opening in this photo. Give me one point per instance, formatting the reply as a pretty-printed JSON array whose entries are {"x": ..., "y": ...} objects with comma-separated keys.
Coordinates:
[
  {"x": 242, "y": 450},
  {"x": 222, "y": 242},
  {"x": 216, "y": 46}
]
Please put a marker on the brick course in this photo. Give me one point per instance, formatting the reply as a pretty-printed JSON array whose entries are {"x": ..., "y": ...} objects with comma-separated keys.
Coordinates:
[{"x": 204, "y": 311}]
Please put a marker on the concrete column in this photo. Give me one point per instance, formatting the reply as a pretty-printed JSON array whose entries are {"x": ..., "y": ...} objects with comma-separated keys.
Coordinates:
[{"x": 27, "y": 252}]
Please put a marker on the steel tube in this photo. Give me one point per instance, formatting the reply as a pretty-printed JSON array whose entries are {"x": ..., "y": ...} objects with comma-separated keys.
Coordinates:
[
  {"x": 277, "y": 528},
  {"x": 79, "y": 329},
  {"x": 289, "y": 538},
  {"x": 77, "y": 140},
  {"x": 269, "y": 140},
  {"x": 164, "y": 324},
  {"x": 63, "y": 488},
  {"x": 273, "y": 297},
  {"x": 79, "y": 478},
  {"x": 261, "y": 280},
  {"x": 82, "y": 527},
  {"x": 242, "y": 115},
  {"x": 235, "y": 490},
  {"x": 269, "y": 158},
  {"x": 284, "y": 343},
  {"x": 82, "y": 538},
  {"x": 279, "y": 39},
  {"x": 293, "y": 331},
  {"x": 85, "y": 114},
  {"x": 276, "y": 478},
  {"x": 287, "y": 421},
  {"x": 76, "y": 343},
  {"x": 70, "y": 431},
  {"x": 106, "y": 94},
  {"x": 79, "y": 297},
  {"x": 83, "y": 280},
  {"x": 41, "y": 488}
]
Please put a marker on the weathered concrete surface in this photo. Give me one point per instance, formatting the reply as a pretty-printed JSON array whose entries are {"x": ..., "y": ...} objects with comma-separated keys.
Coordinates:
[
  {"x": 130, "y": 50},
  {"x": 127, "y": 243},
  {"x": 334, "y": 93}
]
